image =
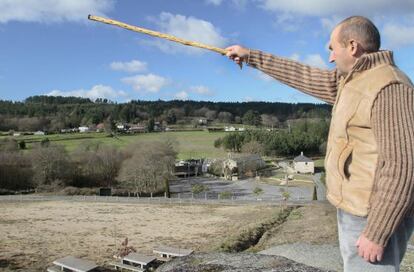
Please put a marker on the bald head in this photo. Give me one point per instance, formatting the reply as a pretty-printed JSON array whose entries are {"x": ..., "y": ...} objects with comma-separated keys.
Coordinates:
[{"x": 362, "y": 30}]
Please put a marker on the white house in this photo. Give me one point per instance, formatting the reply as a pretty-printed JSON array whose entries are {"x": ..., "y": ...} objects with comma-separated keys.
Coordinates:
[
  {"x": 303, "y": 164},
  {"x": 39, "y": 133},
  {"x": 202, "y": 121},
  {"x": 240, "y": 166},
  {"x": 83, "y": 129}
]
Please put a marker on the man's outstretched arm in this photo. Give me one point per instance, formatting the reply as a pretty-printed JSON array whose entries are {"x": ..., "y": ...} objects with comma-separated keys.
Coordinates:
[{"x": 319, "y": 83}]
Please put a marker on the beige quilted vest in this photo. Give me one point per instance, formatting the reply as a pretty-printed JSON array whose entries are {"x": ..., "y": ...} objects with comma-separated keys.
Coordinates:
[{"x": 351, "y": 156}]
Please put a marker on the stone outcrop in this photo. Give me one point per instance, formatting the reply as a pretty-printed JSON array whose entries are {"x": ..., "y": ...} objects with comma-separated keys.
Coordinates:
[{"x": 234, "y": 262}]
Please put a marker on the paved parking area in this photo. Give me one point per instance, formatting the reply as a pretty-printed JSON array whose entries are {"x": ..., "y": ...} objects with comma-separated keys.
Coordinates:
[{"x": 241, "y": 189}]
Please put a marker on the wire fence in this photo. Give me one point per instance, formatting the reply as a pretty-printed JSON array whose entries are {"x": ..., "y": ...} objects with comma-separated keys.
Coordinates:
[{"x": 175, "y": 199}]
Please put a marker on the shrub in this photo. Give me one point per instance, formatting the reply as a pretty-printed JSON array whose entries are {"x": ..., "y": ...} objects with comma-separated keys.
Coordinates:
[
  {"x": 45, "y": 142},
  {"x": 253, "y": 147},
  {"x": 217, "y": 143},
  {"x": 71, "y": 190},
  {"x": 225, "y": 195},
  {"x": 258, "y": 191},
  {"x": 22, "y": 144},
  {"x": 198, "y": 188}
]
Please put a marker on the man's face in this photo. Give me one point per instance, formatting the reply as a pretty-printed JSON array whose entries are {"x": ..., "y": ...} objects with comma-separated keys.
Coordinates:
[{"x": 340, "y": 54}]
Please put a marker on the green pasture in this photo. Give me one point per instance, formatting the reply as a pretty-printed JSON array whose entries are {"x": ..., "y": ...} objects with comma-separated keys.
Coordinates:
[{"x": 191, "y": 144}]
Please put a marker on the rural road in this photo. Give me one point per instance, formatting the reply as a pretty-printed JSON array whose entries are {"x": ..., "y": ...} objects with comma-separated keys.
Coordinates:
[{"x": 320, "y": 187}]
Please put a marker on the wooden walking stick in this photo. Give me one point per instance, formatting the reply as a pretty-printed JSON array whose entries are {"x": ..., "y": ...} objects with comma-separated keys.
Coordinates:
[{"x": 156, "y": 34}]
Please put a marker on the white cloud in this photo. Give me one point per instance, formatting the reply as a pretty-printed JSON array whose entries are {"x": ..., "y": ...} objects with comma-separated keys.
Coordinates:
[
  {"x": 315, "y": 60},
  {"x": 189, "y": 28},
  {"x": 183, "y": 95},
  {"x": 288, "y": 22},
  {"x": 202, "y": 90},
  {"x": 289, "y": 14},
  {"x": 248, "y": 99},
  {"x": 131, "y": 66},
  {"x": 97, "y": 91},
  {"x": 146, "y": 83},
  {"x": 214, "y": 2},
  {"x": 339, "y": 7},
  {"x": 264, "y": 76},
  {"x": 46, "y": 11},
  {"x": 328, "y": 24},
  {"x": 295, "y": 56},
  {"x": 312, "y": 59},
  {"x": 238, "y": 4},
  {"x": 398, "y": 35}
]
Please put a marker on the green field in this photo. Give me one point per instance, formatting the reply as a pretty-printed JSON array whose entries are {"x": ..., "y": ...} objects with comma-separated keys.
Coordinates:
[{"x": 191, "y": 144}]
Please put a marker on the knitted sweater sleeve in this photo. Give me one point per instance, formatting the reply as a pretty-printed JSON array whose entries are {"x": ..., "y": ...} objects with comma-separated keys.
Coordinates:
[
  {"x": 393, "y": 194},
  {"x": 316, "y": 82}
]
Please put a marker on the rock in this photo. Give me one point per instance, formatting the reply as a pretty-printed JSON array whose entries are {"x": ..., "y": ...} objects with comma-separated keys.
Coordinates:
[
  {"x": 234, "y": 262},
  {"x": 325, "y": 256}
]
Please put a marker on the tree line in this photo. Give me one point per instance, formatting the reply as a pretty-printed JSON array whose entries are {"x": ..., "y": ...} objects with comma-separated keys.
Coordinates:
[
  {"x": 53, "y": 113},
  {"x": 48, "y": 167},
  {"x": 302, "y": 135}
]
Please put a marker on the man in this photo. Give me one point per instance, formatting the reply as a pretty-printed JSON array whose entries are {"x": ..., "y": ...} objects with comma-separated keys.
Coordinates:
[{"x": 370, "y": 153}]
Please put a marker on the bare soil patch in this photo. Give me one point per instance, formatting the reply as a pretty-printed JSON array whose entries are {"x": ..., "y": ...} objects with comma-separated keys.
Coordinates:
[{"x": 34, "y": 234}]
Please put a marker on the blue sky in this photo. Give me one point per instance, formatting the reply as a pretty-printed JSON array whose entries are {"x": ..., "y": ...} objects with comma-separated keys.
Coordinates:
[{"x": 50, "y": 47}]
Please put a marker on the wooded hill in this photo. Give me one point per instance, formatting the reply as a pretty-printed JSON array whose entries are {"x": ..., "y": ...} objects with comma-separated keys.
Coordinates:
[{"x": 53, "y": 113}]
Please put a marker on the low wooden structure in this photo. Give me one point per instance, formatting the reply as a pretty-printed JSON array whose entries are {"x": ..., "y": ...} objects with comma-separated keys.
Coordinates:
[
  {"x": 72, "y": 264},
  {"x": 135, "y": 262},
  {"x": 166, "y": 253}
]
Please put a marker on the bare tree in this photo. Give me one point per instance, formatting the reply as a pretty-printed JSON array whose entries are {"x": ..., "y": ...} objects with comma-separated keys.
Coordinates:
[
  {"x": 269, "y": 120},
  {"x": 225, "y": 117},
  {"x": 98, "y": 164},
  {"x": 253, "y": 147},
  {"x": 211, "y": 114},
  {"x": 51, "y": 164},
  {"x": 148, "y": 167},
  {"x": 111, "y": 159},
  {"x": 15, "y": 171}
]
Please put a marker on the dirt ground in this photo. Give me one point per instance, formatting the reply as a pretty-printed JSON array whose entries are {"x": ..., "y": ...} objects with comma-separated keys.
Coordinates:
[
  {"x": 33, "y": 234},
  {"x": 315, "y": 224}
]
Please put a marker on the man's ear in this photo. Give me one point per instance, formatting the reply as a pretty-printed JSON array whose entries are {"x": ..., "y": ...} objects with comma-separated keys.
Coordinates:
[{"x": 354, "y": 48}]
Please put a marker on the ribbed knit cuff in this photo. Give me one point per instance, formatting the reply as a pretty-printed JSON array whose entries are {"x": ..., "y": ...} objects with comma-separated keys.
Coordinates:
[
  {"x": 248, "y": 57},
  {"x": 377, "y": 235}
]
